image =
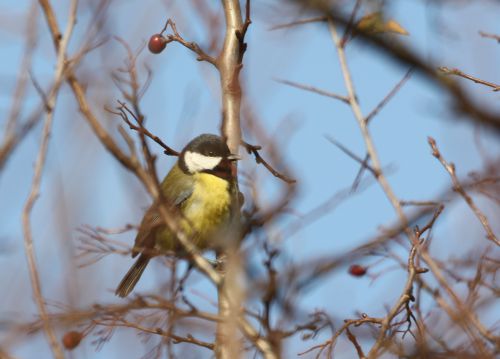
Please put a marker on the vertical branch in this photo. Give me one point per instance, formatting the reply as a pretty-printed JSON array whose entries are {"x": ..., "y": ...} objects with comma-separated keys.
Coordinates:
[
  {"x": 35, "y": 188},
  {"x": 363, "y": 126},
  {"x": 229, "y": 65}
]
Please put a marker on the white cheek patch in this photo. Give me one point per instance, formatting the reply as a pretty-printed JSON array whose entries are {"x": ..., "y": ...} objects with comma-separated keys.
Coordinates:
[{"x": 196, "y": 162}]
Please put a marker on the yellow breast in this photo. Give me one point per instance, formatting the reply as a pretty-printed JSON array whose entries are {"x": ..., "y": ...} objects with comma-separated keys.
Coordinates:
[{"x": 208, "y": 206}]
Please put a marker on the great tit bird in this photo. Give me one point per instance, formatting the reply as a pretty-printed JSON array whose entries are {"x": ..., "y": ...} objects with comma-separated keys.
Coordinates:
[{"x": 200, "y": 186}]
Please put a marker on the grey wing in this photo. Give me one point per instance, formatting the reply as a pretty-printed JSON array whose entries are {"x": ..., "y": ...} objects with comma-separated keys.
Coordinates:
[{"x": 151, "y": 222}]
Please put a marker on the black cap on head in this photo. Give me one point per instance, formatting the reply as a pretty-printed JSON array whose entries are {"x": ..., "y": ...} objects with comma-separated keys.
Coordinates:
[{"x": 208, "y": 145}]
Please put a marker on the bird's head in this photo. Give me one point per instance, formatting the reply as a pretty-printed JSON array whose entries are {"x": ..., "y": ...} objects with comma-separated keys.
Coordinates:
[{"x": 207, "y": 153}]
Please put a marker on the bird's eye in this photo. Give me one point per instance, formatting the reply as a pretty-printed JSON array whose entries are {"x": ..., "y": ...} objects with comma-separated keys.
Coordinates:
[{"x": 211, "y": 154}]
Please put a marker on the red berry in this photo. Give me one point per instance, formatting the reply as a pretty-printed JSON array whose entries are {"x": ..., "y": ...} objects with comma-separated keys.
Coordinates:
[
  {"x": 71, "y": 339},
  {"x": 157, "y": 43},
  {"x": 357, "y": 270}
]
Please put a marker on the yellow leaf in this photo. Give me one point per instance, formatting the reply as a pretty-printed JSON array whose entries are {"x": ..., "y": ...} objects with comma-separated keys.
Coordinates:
[
  {"x": 395, "y": 27},
  {"x": 375, "y": 23}
]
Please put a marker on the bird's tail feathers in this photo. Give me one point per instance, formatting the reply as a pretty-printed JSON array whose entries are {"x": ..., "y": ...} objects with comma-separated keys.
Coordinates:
[{"x": 132, "y": 277}]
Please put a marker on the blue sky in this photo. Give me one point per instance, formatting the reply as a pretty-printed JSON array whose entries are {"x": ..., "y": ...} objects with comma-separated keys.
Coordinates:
[{"x": 83, "y": 184}]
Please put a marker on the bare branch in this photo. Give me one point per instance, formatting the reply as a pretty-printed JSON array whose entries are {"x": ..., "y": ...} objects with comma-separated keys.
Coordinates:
[
  {"x": 354, "y": 341},
  {"x": 450, "y": 168},
  {"x": 459, "y": 73},
  {"x": 118, "y": 321},
  {"x": 352, "y": 155},
  {"x": 389, "y": 96},
  {"x": 299, "y": 22},
  {"x": 314, "y": 90},
  {"x": 330, "y": 343},
  {"x": 349, "y": 26},
  {"x": 403, "y": 301},
  {"x": 363, "y": 125},
  {"x": 123, "y": 112},
  {"x": 229, "y": 65},
  {"x": 372, "y": 114},
  {"x": 193, "y": 46},
  {"x": 258, "y": 158},
  {"x": 490, "y": 36}
]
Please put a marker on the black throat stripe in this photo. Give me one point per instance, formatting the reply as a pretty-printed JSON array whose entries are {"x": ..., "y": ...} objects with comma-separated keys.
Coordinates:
[{"x": 222, "y": 170}]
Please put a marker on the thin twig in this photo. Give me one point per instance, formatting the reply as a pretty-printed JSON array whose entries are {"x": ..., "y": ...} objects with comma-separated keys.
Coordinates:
[
  {"x": 299, "y": 22},
  {"x": 352, "y": 155},
  {"x": 131, "y": 90},
  {"x": 359, "y": 175},
  {"x": 430, "y": 224},
  {"x": 402, "y": 302},
  {"x": 389, "y": 96},
  {"x": 314, "y": 90},
  {"x": 122, "y": 112},
  {"x": 347, "y": 323},
  {"x": 354, "y": 341},
  {"x": 241, "y": 33},
  {"x": 120, "y": 322},
  {"x": 349, "y": 26},
  {"x": 193, "y": 46},
  {"x": 459, "y": 73},
  {"x": 372, "y": 114},
  {"x": 420, "y": 203},
  {"x": 356, "y": 109},
  {"x": 490, "y": 36},
  {"x": 258, "y": 158},
  {"x": 450, "y": 168}
]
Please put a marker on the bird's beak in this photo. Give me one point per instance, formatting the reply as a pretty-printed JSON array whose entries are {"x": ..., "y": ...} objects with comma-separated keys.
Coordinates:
[{"x": 233, "y": 157}]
